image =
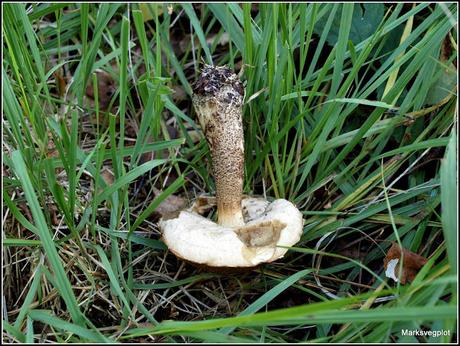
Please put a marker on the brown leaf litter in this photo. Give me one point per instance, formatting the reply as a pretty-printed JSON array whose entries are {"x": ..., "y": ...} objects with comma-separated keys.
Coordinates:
[{"x": 412, "y": 263}]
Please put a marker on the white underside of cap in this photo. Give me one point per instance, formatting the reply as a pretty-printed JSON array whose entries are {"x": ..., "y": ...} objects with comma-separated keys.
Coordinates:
[{"x": 268, "y": 225}]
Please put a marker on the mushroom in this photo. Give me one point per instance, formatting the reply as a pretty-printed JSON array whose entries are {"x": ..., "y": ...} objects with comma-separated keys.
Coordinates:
[{"x": 249, "y": 230}]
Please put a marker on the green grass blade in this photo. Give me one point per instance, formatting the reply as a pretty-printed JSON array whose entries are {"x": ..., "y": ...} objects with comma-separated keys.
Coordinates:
[
  {"x": 197, "y": 27},
  {"x": 114, "y": 281},
  {"x": 231, "y": 26},
  {"x": 449, "y": 201},
  {"x": 16, "y": 333},
  {"x": 270, "y": 295},
  {"x": 127, "y": 178},
  {"x": 30, "y": 331},
  {"x": 47, "y": 241},
  {"x": 21, "y": 242},
  {"x": 29, "y": 298},
  {"x": 156, "y": 202},
  {"x": 88, "y": 335}
]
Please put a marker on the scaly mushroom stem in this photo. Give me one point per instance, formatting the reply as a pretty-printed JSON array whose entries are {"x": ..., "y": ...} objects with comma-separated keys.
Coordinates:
[{"x": 218, "y": 101}]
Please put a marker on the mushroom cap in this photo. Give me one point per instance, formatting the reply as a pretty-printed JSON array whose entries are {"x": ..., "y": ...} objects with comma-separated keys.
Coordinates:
[{"x": 194, "y": 238}]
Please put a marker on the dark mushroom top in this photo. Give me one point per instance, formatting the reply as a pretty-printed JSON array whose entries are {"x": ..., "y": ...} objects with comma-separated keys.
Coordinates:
[{"x": 213, "y": 78}]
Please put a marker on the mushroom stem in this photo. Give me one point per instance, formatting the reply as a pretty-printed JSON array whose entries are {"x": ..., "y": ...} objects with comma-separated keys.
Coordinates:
[{"x": 218, "y": 101}]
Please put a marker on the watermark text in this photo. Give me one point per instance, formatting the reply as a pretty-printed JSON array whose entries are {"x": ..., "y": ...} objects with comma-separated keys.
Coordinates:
[{"x": 419, "y": 332}]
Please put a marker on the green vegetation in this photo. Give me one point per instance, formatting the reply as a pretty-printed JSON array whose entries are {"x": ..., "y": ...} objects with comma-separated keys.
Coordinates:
[{"x": 350, "y": 113}]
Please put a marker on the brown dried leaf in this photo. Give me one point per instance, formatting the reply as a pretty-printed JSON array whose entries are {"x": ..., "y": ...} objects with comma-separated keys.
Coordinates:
[
  {"x": 223, "y": 39},
  {"x": 170, "y": 206},
  {"x": 148, "y": 9},
  {"x": 25, "y": 209},
  {"x": 107, "y": 175},
  {"x": 106, "y": 88},
  {"x": 51, "y": 149},
  {"x": 446, "y": 49},
  {"x": 146, "y": 157},
  {"x": 179, "y": 93},
  {"x": 181, "y": 45},
  {"x": 446, "y": 84},
  {"x": 203, "y": 203},
  {"x": 61, "y": 81},
  {"x": 412, "y": 263}
]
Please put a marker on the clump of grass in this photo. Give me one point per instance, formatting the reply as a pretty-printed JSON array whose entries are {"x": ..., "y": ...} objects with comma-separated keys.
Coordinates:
[{"x": 357, "y": 127}]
